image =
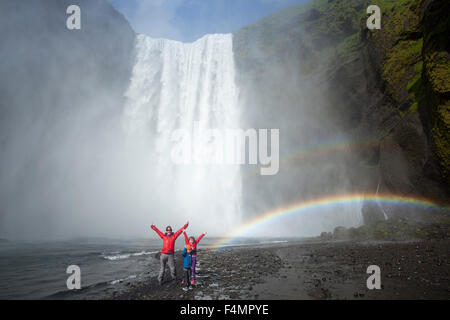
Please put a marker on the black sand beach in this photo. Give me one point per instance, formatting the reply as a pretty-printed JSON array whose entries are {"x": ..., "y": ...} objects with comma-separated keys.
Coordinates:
[{"x": 311, "y": 269}]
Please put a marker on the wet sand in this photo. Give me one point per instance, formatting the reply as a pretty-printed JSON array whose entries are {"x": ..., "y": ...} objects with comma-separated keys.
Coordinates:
[{"x": 311, "y": 269}]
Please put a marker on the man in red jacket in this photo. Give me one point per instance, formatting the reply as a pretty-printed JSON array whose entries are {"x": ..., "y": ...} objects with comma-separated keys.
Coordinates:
[{"x": 168, "y": 249}]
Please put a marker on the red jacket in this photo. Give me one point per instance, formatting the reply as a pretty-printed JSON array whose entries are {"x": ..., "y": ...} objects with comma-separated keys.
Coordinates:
[
  {"x": 194, "y": 245},
  {"x": 168, "y": 241}
]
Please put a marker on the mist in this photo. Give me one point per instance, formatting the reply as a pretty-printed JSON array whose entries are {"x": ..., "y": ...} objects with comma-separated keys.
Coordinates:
[
  {"x": 285, "y": 89},
  {"x": 62, "y": 162},
  {"x": 86, "y": 129}
]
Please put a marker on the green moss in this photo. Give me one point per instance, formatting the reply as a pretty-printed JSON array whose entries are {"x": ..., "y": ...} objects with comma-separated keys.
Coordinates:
[
  {"x": 417, "y": 89},
  {"x": 438, "y": 71},
  {"x": 399, "y": 46},
  {"x": 414, "y": 108},
  {"x": 349, "y": 47},
  {"x": 312, "y": 31},
  {"x": 437, "y": 80},
  {"x": 402, "y": 67},
  {"x": 441, "y": 138},
  {"x": 390, "y": 5},
  {"x": 397, "y": 12},
  {"x": 418, "y": 67}
]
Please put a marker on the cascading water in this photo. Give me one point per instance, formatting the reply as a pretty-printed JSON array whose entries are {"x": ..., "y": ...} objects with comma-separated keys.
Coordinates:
[{"x": 189, "y": 86}]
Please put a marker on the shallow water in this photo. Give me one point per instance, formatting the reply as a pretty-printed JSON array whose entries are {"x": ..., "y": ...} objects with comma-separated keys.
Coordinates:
[{"x": 38, "y": 270}]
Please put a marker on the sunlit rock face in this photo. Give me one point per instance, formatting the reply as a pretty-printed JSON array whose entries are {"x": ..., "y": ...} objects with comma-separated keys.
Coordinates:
[{"x": 361, "y": 111}]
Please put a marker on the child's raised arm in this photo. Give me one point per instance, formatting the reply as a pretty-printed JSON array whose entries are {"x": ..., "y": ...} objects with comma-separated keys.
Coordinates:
[{"x": 201, "y": 236}]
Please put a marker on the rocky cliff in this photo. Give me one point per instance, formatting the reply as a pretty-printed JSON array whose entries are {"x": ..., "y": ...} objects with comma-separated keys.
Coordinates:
[{"x": 387, "y": 91}]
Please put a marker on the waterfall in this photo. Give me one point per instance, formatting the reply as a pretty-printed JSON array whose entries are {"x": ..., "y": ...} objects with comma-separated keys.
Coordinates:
[{"x": 186, "y": 86}]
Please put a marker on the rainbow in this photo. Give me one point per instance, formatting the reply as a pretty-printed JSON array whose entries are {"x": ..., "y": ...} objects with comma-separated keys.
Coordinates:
[
  {"x": 304, "y": 206},
  {"x": 327, "y": 148},
  {"x": 316, "y": 151}
]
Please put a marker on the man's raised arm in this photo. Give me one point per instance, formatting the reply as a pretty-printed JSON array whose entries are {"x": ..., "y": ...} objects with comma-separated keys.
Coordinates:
[{"x": 157, "y": 231}]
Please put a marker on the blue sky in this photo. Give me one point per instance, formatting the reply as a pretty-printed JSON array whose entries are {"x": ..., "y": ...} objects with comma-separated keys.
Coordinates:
[{"x": 188, "y": 20}]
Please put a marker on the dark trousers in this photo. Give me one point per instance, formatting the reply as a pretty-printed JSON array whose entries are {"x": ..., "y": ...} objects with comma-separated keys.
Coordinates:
[
  {"x": 187, "y": 276},
  {"x": 167, "y": 258}
]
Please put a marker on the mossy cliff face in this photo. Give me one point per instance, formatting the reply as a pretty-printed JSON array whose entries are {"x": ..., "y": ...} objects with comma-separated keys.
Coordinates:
[
  {"x": 436, "y": 75},
  {"x": 411, "y": 52},
  {"x": 386, "y": 89},
  {"x": 410, "y": 56}
]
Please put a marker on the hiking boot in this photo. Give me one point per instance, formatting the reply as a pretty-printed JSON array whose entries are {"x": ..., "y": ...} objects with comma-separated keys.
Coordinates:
[
  {"x": 185, "y": 289},
  {"x": 191, "y": 287}
]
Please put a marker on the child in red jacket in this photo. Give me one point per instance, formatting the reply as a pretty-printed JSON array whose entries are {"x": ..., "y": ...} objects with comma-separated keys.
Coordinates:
[{"x": 193, "y": 243}]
